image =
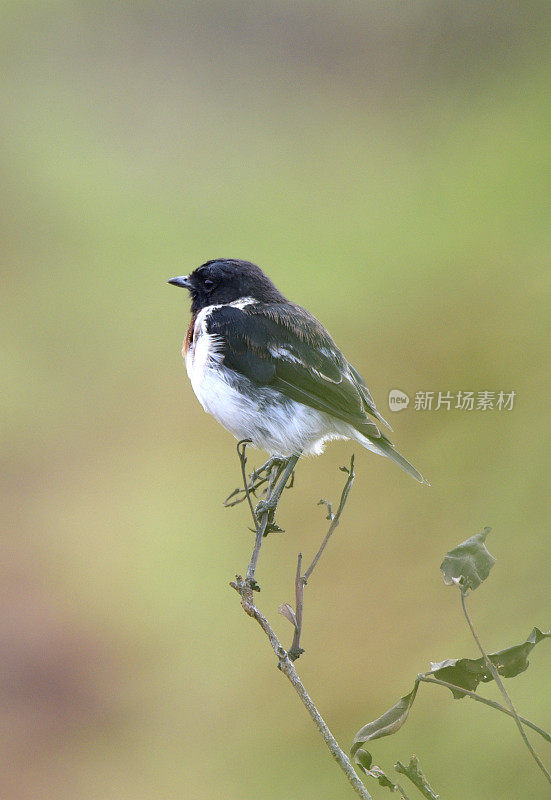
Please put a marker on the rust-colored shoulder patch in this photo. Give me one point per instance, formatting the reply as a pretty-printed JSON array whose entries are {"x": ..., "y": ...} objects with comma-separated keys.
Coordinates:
[{"x": 189, "y": 335}]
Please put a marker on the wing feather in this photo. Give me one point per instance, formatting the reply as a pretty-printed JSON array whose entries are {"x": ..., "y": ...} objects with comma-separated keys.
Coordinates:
[{"x": 285, "y": 347}]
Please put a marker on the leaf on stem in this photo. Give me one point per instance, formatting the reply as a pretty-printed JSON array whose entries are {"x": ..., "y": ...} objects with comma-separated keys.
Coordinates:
[
  {"x": 467, "y": 673},
  {"x": 415, "y": 775},
  {"x": 390, "y": 722},
  {"x": 468, "y": 564},
  {"x": 364, "y": 761}
]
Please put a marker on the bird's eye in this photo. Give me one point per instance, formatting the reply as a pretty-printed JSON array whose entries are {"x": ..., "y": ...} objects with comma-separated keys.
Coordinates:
[{"x": 208, "y": 283}]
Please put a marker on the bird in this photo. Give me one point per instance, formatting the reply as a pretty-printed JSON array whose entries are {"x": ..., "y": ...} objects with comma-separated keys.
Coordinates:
[{"x": 269, "y": 371}]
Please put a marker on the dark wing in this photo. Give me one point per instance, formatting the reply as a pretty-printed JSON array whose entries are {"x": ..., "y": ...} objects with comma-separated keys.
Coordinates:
[
  {"x": 369, "y": 403},
  {"x": 285, "y": 347}
]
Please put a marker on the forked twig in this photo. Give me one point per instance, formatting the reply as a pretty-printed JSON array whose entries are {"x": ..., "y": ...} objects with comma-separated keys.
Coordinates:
[
  {"x": 277, "y": 482},
  {"x": 295, "y": 651},
  {"x": 287, "y": 667},
  {"x": 278, "y": 473}
]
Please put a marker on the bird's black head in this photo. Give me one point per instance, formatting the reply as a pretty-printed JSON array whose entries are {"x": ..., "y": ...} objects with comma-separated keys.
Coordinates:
[{"x": 224, "y": 280}]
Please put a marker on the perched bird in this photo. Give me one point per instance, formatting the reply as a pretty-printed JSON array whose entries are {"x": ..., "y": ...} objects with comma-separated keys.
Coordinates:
[{"x": 268, "y": 371}]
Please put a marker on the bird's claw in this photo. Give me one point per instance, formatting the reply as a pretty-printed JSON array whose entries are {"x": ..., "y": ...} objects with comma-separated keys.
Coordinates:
[
  {"x": 263, "y": 472},
  {"x": 265, "y": 507}
]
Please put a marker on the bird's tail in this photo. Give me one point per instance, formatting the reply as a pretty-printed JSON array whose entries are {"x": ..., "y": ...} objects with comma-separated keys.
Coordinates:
[{"x": 384, "y": 447}]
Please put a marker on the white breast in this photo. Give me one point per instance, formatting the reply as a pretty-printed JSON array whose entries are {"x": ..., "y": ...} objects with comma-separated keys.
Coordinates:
[{"x": 204, "y": 352}]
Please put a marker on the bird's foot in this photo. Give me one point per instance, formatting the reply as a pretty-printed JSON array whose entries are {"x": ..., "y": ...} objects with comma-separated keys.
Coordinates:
[
  {"x": 262, "y": 473},
  {"x": 267, "y": 507},
  {"x": 256, "y": 481},
  {"x": 281, "y": 476}
]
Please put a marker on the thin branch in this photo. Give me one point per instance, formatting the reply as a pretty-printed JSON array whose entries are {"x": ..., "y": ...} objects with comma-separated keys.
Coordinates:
[
  {"x": 426, "y": 678},
  {"x": 497, "y": 678},
  {"x": 261, "y": 525},
  {"x": 335, "y": 518},
  {"x": 295, "y": 651},
  {"x": 286, "y": 666},
  {"x": 241, "y": 452},
  {"x": 285, "y": 470},
  {"x": 264, "y": 514}
]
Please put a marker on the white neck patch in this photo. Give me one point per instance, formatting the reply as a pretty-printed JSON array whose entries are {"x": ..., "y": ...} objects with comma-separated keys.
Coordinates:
[{"x": 242, "y": 302}]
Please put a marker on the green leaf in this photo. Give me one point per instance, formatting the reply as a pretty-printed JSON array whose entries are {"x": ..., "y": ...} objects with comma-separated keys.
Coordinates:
[
  {"x": 415, "y": 775},
  {"x": 514, "y": 660},
  {"x": 364, "y": 761},
  {"x": 468, "y": 564},
  {"x": 467, "y": 673},
  {"x": 390, "y": 722},
  {"x": 461, "y": 672}
]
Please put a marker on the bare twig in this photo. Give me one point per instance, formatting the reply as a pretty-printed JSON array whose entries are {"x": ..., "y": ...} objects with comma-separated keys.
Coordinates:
[
  {"x": 241, "y": 452},
  {"x": 263, "y": 516},
  {"x": 295, "y": 651},
  {"x": 286, "y": 666},
  {"x": 335, "y": 518},
  {"x": 497, "y": 678},
  {"x": 261, "y": 525}
]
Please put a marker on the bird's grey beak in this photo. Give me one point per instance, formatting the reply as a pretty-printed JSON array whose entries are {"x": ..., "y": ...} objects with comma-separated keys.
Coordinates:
[{"x": 182, "y": 281}]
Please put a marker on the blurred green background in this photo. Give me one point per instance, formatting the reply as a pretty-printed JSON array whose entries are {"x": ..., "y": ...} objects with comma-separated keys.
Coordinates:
[{"x": 388, "y": 164}]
